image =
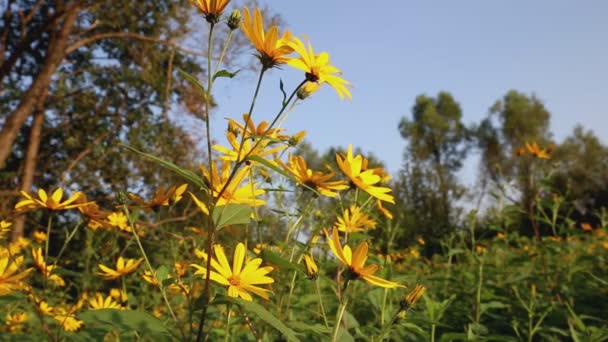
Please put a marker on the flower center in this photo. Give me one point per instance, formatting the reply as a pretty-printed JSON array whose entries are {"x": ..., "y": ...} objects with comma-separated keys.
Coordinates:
[{"x": 234, "y": 280}]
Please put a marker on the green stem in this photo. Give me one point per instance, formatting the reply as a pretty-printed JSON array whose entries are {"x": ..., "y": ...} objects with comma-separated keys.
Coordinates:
[
  {"x": 219, "y": 62},
  {"x": 433, "y": 327},
  {"x": 65, "y": 244},
  {"x": 339, "y": 317},
  {"x": 143, "y": 252},
  {"x": 248, "y": 117},
  {"x": 227, "y": 337},
  {"x": 208, "y": 103},
  {"x": 321, "y": 303},
  {"x": 211, "y": 229}
]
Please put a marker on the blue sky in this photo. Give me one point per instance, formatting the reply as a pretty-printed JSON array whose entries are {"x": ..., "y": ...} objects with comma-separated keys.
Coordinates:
[{"x": 477, "y": 50}]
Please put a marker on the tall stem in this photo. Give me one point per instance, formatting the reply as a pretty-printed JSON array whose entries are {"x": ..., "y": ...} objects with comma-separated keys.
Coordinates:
[
  {"x": 211, "y": 228},
  {"x": 339, "y": 317},
  {"x": 145, "y": 256},
  {"x": 321, "y": 303}
]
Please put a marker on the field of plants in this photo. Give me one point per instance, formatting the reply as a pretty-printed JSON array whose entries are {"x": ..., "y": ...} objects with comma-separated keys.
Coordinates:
[{"x": 261, "y": 238}]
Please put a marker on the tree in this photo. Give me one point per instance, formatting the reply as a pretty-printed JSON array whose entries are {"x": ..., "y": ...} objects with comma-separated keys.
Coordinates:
[
  {"x": 512, "y": 122},
  {"x": 581, "y": 174},
  {"x": 437, "y": 146},
  {"x": 94, "y": 75}
]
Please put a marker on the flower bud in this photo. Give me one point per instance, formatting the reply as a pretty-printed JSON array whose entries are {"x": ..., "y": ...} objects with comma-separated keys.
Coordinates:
[
  {"x": 310, "y": 267},
  {"x": 121, "y": 197},
  {"x": 234, "y": 20},
  {"x": 307, "y": 89},
  {"x": 297, "y": 138}
]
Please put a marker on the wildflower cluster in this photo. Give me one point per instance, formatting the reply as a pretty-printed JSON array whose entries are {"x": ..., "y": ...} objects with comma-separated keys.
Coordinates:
[{"x": 135, "y": 252}]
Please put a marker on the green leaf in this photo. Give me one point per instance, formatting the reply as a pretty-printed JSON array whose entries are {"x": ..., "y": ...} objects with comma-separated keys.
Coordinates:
[
  {"x": 194, "y": 81},
  {"x": 225, "y": 73},
  {"x": 124, "y": 321},
  {"x": 11, "y": 298},
  {"x": 186, "y": 174},
  {"x": 273, "y": 258},
  {"x": 226, "y": 215},
  {"x": 162, "y": 272},
  {"x": 267, "y": 317}
]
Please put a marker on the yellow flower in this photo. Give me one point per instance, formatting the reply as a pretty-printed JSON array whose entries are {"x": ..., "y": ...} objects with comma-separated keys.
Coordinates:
[
  {"x": 51, "y": 203},
  {"x": 272, "y": 49},
  {"x": 242, "y": 278},
  {"x": 355, "y": 168},
  {"x": 96, "y": 217},
  {"x": 15, "y": 247},
  {"x": 150, "y": 278},
  {"x": 15, "y": 321},
  {"x": 383, "y": 210},
  {"x": 239, "y": 152},
  {"x": 39, "y": 236},
  {"x": 4, "y": 228},
  {"x": 541, "y": 153},
  {"x": 246, "y": 194},
  {"x": 98, "y": 302},
  {"x": 586, "y": 227},
  {"x": 10, "y": 277},
  {"x": 46, "y": 270},
  {"x": 211, "y": 9},
  {"x": 315, "y": 180},
  {"x": 355, "y": 261},
  {"x": 69, "y": 322},
  {"x": 317, "y": 68},
  {"x": 412, "y": 297},
  {"x": 44, "y": 308},
  {"x": 119, "y": 220},
  {"x": 200, "y": 204},
  {"x": 250, "y": 130},
  {"x": 161, "y": 198},
  {"x": 119, "y": 295},
  {"x": 353, "y": 220},
  {"x": 123, "y": 267},
  {"x": 310, "y": 267}
]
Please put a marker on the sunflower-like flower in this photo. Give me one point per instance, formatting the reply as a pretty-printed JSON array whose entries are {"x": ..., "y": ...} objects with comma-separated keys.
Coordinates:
[
  {"x": 15, "y": 321},
  {"x": 242, "y": 277},
  {"x": 99, "y": 302},
  {"x": 253, "y": 131},
  {"x": 234, "y": 192},
  {"x": 238, "y": 152},
  {"x": 10, "y": 276},
  {"x": 161, "y": 198},
  {"x": 68, "y": 321},
  {"x": 315, "y": 180},
  {"x": 354, "y": 167},
  {"x": 353, "y": 220},
  {"x": 52, "y": 203},
  {"x": 317, "y": 68},
  {"x": 211, "y": 9},
  {"x": 46, "y": 270},
  {"x": 272, "y": 50},
  {"x": 355, "y": 261},
  {"x": 123, "y": 267},
  {"x": 96, "y": 218}
]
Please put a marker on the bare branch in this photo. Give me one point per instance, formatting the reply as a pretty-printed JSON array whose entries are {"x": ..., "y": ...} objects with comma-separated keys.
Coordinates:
[{"x": 130, "y": 35}]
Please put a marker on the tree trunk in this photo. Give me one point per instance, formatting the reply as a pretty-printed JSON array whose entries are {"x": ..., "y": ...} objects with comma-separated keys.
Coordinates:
[
  {"x": 56, "y": 53},
  {"x": 29, "y": 166}
]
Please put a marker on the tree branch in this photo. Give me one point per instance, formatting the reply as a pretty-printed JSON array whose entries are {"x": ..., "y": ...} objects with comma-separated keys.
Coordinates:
[{"x": 130, "y": 35}]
